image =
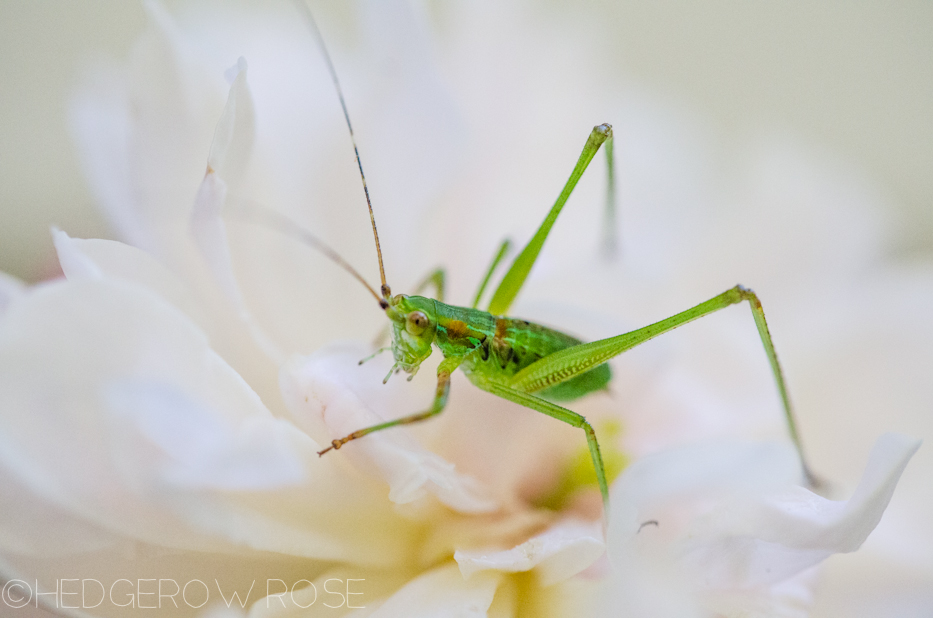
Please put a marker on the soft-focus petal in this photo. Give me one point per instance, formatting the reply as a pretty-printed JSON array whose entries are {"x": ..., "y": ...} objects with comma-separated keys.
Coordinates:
[
  {"x": 145, "y": 136},
  {"x": 442, "y": 593},
  {"x": 761, "y": 543},
  {"x": 230, "y": 151},
  {"x": 557, "y": 554},
  {"x": 337, "y": 591},
  {"x": 323, "y": 393},
  {"x": 126, "y": 569},
  {"x": 651, "y": 484},
  {"x": 30, "y": 525},
  {"x": 235, "y": 132},
  {"x": 145, "y": 470},
  {"x": 10, "y": 287},
  {"x": 211, "y": 235},
  {"x": 654, "y": 502},
  {"x": 96, "y": 259},
  {"x": 735, "y": 533},
  {"x": 218, "y": 611}
]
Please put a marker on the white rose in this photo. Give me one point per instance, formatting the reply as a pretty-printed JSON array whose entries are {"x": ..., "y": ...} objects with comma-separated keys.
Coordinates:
[{"x": 164, "y": 405}]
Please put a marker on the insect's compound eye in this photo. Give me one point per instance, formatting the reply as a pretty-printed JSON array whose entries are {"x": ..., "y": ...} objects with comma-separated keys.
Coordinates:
[{"x": 417, "y": 322}]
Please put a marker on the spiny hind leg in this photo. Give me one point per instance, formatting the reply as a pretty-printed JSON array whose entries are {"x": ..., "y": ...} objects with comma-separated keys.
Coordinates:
[
  {"x": 562, "y": 414},
  {"x": 446, "y": 367},
  {"x": 567, "y": 363}
]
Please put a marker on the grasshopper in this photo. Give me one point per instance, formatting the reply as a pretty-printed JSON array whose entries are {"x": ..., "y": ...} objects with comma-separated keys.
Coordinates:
[{"x": 526, "y": 363}]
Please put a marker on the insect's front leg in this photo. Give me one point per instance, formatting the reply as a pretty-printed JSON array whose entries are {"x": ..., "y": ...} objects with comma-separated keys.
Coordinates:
[{"x": 447, "y": 366}]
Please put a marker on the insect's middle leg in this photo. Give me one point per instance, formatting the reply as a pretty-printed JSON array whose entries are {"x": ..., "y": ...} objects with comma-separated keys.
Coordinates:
[
  {"x": 514, "y": 279},
  {"x": 437, "y": 278},
  {"x": 562, "y": 414},
  {"x": 503, "y": 250},
  {"x": 446, "y": 367}
]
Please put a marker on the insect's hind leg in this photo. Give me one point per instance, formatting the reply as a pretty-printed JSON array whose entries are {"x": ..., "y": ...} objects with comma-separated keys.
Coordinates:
[
  {"x": 569, "y": 362},
  {"x": 562, "y": 414},
  {"x": 446, "y": 367}
]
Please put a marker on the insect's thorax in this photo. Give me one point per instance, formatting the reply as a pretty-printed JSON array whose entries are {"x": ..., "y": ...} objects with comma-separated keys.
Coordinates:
[
  {"x": 493, "y": 348},
  {"x": 501, "y": 347},
  {"x": 508, "y": 343}
]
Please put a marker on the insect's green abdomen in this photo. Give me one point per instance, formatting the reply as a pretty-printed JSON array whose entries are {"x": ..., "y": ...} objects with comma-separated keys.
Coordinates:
[
  {"x": 505, "y": 346},
  {"x": 595, "y": 379}
]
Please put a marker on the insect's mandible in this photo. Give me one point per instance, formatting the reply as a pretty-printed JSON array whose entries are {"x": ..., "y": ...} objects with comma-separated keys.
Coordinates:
[{"x": 526, "y": 363}]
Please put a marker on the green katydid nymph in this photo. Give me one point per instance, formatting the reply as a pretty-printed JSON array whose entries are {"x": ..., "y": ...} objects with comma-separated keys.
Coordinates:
[{"x": 525, "y": 363}]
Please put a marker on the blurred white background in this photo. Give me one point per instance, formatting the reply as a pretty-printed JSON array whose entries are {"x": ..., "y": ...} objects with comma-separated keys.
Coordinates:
[{"x": 853, "y": 78}]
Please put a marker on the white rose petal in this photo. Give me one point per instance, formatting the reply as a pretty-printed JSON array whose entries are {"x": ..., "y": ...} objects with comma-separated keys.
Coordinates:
[
  {"x": 111, "y": 260},
  {"x": 98, "y": 373},
  {"x": 321, "y": 392},
  {"x": 558, "y": 554},
  {"x": 145, "y": 135},
  {"x": 10, "y": 287},
  {"x": 442, "y": 593},
  {"x": 722, "y": 521}
]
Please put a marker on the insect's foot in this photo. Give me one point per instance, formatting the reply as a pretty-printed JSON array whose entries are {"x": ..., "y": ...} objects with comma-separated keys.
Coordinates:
[
  {"x": 336, "y": 444},
  {"x": 373, "y": 355},
  {"x": 392, "y": 372}
]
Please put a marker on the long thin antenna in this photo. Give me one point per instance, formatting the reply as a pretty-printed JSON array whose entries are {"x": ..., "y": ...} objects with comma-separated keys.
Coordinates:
[
  {"x": 258, "y": 214},
  {"x": 312, "y": 24}
]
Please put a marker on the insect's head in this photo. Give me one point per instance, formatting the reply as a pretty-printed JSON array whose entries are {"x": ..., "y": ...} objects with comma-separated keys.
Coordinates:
[{"x": 414, "y": 324}]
